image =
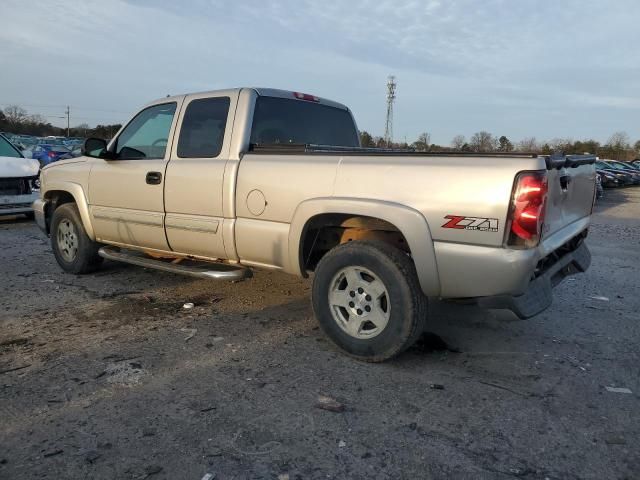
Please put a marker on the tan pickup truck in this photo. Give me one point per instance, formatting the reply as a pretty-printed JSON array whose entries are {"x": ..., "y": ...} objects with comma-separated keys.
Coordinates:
[{"x": 214, "y": 184}]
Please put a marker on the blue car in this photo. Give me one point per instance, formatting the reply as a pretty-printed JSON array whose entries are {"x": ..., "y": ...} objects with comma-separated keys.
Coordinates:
[{"x": 47, "y": 153}]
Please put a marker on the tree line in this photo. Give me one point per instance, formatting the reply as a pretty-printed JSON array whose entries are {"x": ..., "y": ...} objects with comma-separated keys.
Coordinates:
[
  {"x": 15, "y": 119},
  {"x": 617, "y": 147}
]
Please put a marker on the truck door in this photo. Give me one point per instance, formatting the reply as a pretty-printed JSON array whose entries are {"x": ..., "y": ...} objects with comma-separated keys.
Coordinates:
[
  {"x": 126, "y": 193},
  {"x": 195, "y": 175}
]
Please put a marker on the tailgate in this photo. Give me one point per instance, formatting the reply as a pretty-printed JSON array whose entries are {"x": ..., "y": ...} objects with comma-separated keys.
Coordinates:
[{"x": 571, "y": 190}]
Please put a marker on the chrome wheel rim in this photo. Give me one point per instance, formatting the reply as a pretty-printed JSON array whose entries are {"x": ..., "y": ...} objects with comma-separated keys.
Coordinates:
[
  {"x": 67, "y": 240},
  {"x": 359, "y": 302}
]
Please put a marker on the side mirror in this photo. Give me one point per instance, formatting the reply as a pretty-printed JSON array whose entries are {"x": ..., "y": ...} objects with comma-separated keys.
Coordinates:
[{"x": 94, "y": 147}]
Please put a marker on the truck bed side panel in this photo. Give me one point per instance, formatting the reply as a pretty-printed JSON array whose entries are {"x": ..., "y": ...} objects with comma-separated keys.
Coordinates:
[{"x": 478, "y": 189}]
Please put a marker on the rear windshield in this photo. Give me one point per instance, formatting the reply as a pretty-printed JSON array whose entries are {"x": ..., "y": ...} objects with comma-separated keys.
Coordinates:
[
  {"x": 8, "y": 150},
  {"x": 282, "y": 120}
]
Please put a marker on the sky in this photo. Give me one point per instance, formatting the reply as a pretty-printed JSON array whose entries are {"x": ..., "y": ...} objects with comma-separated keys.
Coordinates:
[{"x": 520, "y": 68}]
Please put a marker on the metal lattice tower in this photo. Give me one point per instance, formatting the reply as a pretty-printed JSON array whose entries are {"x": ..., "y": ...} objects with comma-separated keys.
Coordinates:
[{"x": 391, "y": 96}]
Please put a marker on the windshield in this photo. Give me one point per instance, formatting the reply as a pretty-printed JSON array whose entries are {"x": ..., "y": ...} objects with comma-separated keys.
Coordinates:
[
  {"x": 617, "y": 166},
  {"x": 288, "y": 121},
  {"x": 8, "y": 150}
]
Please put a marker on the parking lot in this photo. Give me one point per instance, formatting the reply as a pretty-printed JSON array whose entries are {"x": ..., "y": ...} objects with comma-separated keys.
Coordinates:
[{"x": 108, "y": 376}]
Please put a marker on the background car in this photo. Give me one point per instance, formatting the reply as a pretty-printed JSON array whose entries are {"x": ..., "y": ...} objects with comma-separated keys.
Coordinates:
[
  {"x": 608, "y": 179},
  {"x": 73, "y": 142},
  {"x": 624, "y": 178},
  {"x": 635, "y": 166},
  {"x": 19, "y": 182},
  {"x": 74, "y": 152},
  {"x": 621, "y": 167},
  {"x": 46, "y": 153}
]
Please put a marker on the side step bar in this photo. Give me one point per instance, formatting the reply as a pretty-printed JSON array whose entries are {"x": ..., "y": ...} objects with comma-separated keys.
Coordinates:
[{"x": 215, "y": 271}]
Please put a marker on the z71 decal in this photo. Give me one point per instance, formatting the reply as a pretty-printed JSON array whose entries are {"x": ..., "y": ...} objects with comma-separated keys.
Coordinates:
[{"x": 471, "y": 223}]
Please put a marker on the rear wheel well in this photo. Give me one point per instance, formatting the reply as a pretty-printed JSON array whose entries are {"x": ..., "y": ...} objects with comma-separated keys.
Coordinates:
[{"x": 325, "y": 231}]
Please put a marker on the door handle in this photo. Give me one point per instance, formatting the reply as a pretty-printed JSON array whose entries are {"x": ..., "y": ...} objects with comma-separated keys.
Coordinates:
[{"x": 154, "y": 178}]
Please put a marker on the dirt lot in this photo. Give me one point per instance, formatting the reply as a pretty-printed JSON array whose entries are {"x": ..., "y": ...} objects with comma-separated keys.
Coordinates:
[{"x": 107, "y": 376}]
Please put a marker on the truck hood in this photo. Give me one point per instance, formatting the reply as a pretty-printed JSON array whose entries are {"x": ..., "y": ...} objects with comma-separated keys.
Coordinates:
[{"x": 11, "y": 167}]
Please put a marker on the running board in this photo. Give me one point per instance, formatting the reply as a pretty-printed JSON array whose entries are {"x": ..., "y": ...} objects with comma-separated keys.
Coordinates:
[{"x": 212, "y": 271}]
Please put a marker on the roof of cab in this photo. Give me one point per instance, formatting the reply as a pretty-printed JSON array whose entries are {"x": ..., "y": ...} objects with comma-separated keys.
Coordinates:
[{"x": 266, "y": 92}]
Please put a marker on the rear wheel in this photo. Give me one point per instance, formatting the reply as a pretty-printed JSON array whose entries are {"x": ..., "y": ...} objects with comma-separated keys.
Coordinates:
[
  {"x": 73, "y": 249},
  {"x": 368, "y": 300}
]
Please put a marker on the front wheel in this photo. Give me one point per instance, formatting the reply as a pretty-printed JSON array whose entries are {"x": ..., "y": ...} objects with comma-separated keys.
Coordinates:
[
  {"x": 368, "y": 300},
  {"x": 73, "y": 249}
]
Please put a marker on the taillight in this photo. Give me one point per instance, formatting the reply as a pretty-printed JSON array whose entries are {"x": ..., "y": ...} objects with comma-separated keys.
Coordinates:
[
  {"x": 305, "y": 96},
  {"x": 51, "y": 154},
  {"x": 527, "y": 209}
]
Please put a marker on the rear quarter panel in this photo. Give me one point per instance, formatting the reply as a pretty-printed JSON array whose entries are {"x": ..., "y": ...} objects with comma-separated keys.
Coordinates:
[{"x": 478, "y": 187}]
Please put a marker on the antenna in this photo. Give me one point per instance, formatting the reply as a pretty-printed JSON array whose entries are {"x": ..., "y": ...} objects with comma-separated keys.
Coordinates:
[{"x": 391, "y": 96}]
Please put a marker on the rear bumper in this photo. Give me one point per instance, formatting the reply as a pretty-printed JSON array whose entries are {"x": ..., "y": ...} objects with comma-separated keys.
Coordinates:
[
  {"x": 39, "y": 209},
  {"x": 538, "y": 295}
]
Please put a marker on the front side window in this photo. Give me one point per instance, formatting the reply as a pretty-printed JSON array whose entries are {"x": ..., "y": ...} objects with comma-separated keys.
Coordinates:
[
  {"x": 8, "y": 150},
  {"x": 147, "y": 135},
  {"x": 202, "y": 130}
]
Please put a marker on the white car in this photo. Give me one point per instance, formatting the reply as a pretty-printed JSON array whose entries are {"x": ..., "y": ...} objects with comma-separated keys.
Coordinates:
[{"x": 19, "y": 183}]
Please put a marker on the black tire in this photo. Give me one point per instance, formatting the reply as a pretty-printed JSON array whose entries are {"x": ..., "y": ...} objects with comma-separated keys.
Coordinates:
[
  {"x": 86, "y": 258},
  {"x": 30, "y": 215},
  {"x": 407, "y": 302}
]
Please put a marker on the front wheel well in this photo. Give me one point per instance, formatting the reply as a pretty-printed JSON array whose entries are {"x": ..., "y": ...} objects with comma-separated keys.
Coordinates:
[
  {"x": 325, "y": 231},
  {"x": 56, "y": 199}
]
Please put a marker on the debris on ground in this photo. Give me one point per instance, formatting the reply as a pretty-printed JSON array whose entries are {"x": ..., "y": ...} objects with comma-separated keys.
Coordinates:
[
  {"x": 618, "y": 390},
  {"x": 15, "y": 341},
  {"x": 436, "y": 386},
  {"x": 598, "y": 297},
  {"x": 342, "y": 444},
  {"x": 209, "y": 476},
  {"x": 329, "y": 404},
  {"x": 188, "y": 306},
  {"x": 123, "y": 373},
  {"x": 191, "y": 333},
  {"x": 53, "y": 453},
  {"x": 13, "y": 369},
  {"x": 92, "y": 455},
  {"x": 152, "y": 470},
  {"x": 283, "y": 476},
  {"x": 614, "y": 439}
]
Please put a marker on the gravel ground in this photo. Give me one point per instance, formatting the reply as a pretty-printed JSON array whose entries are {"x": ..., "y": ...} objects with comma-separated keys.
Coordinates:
[{"x": 107, "y": 376}]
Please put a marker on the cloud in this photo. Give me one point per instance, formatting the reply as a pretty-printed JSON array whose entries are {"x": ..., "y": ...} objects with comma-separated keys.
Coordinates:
[{"x": 516, "y": 68}]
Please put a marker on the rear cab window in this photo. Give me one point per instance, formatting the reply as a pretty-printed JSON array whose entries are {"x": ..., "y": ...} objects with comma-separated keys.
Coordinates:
[
  {"x": 203, "y": 127},
  {"x": 290, "y": 121}
]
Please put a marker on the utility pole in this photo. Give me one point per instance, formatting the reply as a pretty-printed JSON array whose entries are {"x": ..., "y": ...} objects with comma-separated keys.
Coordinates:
[
  {"x": 67, "y": 112},
  {"x": 391, "y": 96}
]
